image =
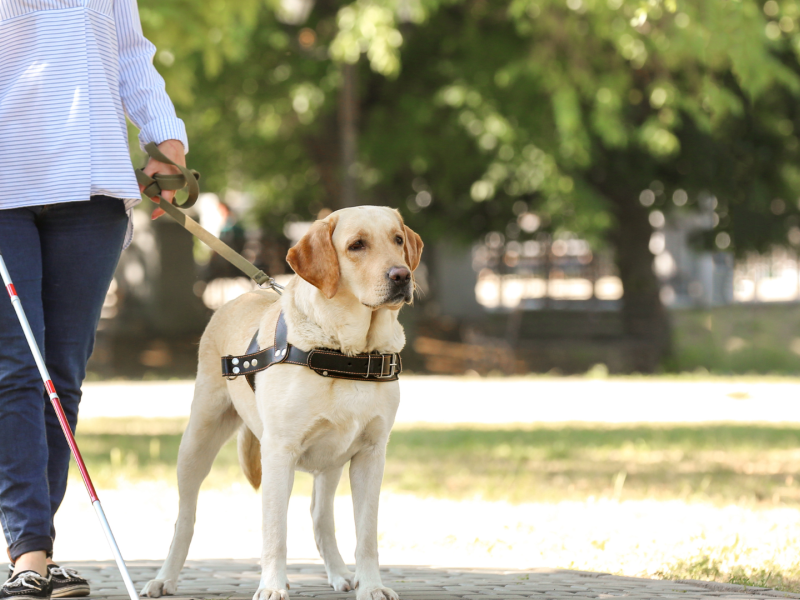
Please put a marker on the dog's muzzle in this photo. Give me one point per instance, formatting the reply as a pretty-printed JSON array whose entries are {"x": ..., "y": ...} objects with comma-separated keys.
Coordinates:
[{"x": 402, "y": 284}]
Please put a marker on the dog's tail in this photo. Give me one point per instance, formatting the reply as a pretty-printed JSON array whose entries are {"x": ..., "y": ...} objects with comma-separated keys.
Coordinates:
[{"x": 250, "y": 455}]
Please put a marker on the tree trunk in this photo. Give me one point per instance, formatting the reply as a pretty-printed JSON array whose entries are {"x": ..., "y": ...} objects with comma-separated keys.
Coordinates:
[
  {"x": 645, "y": 320},
  {"x": 174, "y": 309},
  {"x": 348, "y": 133}
]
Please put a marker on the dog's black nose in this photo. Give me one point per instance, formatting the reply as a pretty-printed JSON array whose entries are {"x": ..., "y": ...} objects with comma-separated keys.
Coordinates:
[{"x": 400, "y": 275}]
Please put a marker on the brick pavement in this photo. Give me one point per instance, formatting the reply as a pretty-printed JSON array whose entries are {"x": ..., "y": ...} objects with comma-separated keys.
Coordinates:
[{"x": 238, "y": 580}]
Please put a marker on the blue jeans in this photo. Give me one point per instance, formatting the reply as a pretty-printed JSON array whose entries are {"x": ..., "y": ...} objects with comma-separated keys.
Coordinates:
[{"x": 61, "y": 258}]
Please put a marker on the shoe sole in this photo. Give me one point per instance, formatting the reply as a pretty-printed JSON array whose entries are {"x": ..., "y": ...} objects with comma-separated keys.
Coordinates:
[{"x": 73, "y": 591}]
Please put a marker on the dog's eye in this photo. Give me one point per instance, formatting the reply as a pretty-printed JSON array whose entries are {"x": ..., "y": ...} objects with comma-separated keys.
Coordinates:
[
  {"x": 398, "y": 240},
  {"x": 357, "y": 245}
]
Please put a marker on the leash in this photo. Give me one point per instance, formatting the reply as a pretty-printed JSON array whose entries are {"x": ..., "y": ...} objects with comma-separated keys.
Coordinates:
[{"x": 153, "y": 186}]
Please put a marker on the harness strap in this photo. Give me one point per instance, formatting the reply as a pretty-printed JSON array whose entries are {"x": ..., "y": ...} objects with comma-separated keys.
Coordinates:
[
  {"x": 159, "y": 183},
  {"x": 278, "y": 352},
  {"x": 327, "y": 363}
]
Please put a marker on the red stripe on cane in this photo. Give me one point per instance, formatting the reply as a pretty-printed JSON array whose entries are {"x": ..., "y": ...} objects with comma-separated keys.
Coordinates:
[
  {"x": 51, "y": 389},
  {"x": 12, "y": 291},
  {"x": 73, "y": 445}
]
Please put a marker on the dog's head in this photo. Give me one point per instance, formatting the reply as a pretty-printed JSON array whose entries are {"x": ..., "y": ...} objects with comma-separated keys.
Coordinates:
[{"x": 366, "y": 251}]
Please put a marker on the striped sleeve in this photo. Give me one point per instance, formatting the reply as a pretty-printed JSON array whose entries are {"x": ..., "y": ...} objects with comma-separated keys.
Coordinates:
[{"x": 141, "y": 87}]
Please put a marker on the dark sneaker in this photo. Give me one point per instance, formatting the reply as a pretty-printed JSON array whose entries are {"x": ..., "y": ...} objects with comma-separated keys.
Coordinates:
[
  {"x": 67, "y": 583},
  {"x": 27, "y": 585}
]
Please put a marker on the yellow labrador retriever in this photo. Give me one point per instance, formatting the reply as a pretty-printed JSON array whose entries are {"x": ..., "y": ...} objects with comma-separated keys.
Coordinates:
[{"x": 355, "y": 273}]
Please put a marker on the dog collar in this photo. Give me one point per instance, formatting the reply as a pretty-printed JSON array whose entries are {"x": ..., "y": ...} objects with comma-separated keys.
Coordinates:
[{"x": 326, "y": 363}]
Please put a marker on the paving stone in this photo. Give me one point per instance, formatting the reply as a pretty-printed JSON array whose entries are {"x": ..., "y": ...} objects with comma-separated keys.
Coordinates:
[{"x": 238, "y": 580}]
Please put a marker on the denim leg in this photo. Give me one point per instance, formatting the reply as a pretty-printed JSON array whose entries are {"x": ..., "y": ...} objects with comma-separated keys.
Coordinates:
[
  {"x": 24, "y": 507},
  {"x": 81, "y": 246}
]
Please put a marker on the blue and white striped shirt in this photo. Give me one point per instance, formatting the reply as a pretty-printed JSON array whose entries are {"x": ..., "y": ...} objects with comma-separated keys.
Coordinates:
[{"x": 70, "y": 70}]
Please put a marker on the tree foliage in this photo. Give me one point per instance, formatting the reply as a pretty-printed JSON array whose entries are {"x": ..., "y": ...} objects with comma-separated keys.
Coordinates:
[{"x": 484, "y": 104}]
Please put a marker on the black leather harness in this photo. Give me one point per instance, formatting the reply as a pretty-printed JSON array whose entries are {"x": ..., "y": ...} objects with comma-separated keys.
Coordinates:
[{"x": 327, "y": 363}]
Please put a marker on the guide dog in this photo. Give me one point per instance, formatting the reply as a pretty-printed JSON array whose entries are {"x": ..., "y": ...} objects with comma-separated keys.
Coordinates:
[{"x": 354, "y": 271}]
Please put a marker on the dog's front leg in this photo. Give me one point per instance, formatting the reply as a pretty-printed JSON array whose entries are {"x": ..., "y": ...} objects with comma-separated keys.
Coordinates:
[
  {"x": 277, "y": 478},
  {"x": 366, "y": 474},
  {"x": 322, "y": 497}
]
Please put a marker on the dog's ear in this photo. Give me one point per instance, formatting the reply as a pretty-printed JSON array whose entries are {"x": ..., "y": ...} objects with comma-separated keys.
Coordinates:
[
  {"x": 314, "y": 258},
  {"x": 412, "y": 248}
]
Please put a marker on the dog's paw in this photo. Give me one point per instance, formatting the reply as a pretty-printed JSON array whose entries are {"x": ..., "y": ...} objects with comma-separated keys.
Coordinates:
[
  {"x": 267, "y": 594},
  {"x": 376, "y": 593},
  {"x": 341, "y": 582},
  {"x": 156, "y": 588}
]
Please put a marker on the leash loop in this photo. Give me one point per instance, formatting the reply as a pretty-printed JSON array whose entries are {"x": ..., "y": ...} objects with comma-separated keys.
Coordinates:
[{"x": 154, "y": 186}]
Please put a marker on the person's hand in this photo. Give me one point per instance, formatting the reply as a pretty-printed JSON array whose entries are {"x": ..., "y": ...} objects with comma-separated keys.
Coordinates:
[{"x": 172, "y": 149}]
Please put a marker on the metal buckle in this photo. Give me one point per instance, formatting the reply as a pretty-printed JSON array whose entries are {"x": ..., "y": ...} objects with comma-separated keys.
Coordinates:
[
  {"x": 369, "y": 365},
  {"x": 274, "y": 285},
  {"x": 384, "y": 373}
]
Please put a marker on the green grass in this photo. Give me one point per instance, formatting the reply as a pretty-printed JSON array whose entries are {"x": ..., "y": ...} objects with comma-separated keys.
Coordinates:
[
  {"x": 707, "y": 568},
  {"x": 743, "y": 464},
  {"x": 721, "y": 464}
]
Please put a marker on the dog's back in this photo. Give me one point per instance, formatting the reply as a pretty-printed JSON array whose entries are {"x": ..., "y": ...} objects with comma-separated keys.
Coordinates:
[{"x": 221, "y": 337}]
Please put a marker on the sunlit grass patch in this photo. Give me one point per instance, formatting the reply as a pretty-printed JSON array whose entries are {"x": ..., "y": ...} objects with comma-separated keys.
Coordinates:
[
  {"x": 707, "y": 568},
  {"x": 717, "y": 463},
  {"x": 743, "y": 464},
  {"x": 137, "y": 449}
]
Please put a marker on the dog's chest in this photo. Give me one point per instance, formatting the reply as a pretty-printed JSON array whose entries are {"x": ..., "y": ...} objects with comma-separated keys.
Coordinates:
[
  {"x": 323, "y": 422},
  {"x": 330, "y": 445},
  {"x": 354, "y": 416}
]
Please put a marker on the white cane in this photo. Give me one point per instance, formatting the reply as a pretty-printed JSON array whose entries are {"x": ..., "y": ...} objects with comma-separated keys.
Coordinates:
[{"x": 62, "y": 419}]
